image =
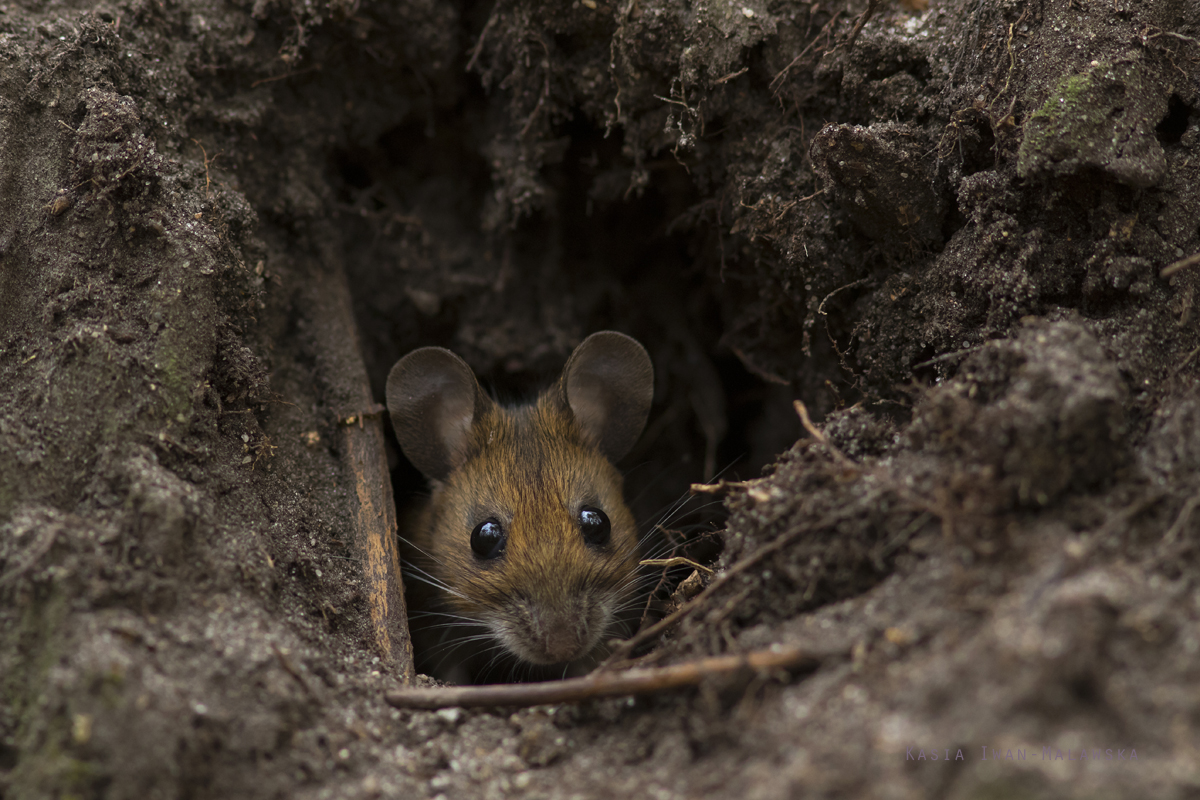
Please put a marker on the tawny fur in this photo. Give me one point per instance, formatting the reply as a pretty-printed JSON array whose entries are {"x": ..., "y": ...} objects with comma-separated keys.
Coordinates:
[
  {"x": 532, "y": 468},
  {"x": 541, "y": 593}
]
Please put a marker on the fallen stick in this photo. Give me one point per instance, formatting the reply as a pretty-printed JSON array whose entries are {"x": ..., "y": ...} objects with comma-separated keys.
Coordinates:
[
  {"x": 371, "y": 512},
  {"x": 601, "y": 684}
]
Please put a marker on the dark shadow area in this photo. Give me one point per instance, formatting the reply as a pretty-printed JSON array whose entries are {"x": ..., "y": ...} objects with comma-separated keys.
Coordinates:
[{"x": 1171, "y": 128}]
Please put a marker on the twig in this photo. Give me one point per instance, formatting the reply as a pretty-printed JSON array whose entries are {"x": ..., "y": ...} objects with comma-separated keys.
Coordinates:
[
  {"x": 482, "y": 36},
  {"x": 806, "y": 421},
  {"x": 370, "y": 513},
  {"x": 1182, "y": 263},
  {"x": 207, "y": 161},
  {"x": 732, "y": 75},
  {"x": 816, "y": 433},
  {"x": 862, "y": 20},
  {"x": 851, "y": 285},
  {"x": 285, "y": 75},
  {"x": 674, "y": 561},
  {"x": 948, "y": 356},
  {"x": 602, "y": 684},
  {"x": 782, "y": 74},
  {"x": 1172, "y": 34},
  {"x": 829, "y": 333},
  {"x": 720, "y": 487},
  {"x": 673, "y": 101},
  {"x": 622, "y": 650}
]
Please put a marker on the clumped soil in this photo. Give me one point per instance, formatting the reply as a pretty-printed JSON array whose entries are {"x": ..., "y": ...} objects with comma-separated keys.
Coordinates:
[{"x": 944, "y": 232}]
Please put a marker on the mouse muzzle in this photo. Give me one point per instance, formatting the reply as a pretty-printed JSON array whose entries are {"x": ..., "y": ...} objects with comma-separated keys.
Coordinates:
[{"x": 552, "y": 632}]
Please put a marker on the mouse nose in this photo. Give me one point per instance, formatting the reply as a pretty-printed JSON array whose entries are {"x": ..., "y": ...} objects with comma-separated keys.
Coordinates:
[{"x": 561, "y": 636}]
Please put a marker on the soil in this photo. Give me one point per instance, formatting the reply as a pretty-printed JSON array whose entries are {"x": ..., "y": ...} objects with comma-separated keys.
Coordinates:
[{"x": 943, "y": 228}]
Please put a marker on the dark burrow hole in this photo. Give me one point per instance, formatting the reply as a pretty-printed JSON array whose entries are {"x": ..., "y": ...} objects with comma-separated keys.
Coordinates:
[
  {"x": 976, "y": 143},
  {"x": 1173, "y": 126},
  {"x": 597, "y": 239},
  {"x": 607, "y": 234}
]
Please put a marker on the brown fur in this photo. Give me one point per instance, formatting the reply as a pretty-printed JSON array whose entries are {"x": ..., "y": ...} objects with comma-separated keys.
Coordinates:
[
  {"x": 531, "y": 468},
  {"x": 548, "y": 597}
]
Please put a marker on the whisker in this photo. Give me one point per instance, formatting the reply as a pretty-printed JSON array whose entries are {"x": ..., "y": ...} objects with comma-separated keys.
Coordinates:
[
  {"x": 434, "y": 613},
  {"x": 422, "y": 576},
  {"x": 446, "y": 626},
  {"x": 497, "y": 657},
  {"x": 446, "y": 650}
]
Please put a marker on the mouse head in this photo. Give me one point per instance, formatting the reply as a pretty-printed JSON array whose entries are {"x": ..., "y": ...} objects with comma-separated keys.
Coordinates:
[{"x": 528, "y": 531}]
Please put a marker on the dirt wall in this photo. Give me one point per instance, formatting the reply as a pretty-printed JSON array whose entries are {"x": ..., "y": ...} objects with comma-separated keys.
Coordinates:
[{"x": 960, "y": 233}]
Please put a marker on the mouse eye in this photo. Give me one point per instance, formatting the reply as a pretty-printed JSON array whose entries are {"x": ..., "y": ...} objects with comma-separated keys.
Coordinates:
[
  {"x": 487, "y": 540},
  {"x": 595, "y": 526}
]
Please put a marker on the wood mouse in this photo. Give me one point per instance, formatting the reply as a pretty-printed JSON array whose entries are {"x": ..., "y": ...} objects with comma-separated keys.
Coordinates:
[{"x": 526, "y": 546}]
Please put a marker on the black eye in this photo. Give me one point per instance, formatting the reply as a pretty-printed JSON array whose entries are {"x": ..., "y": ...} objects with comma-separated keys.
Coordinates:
[
  {"x": 595, "y": 526},
  {"x": 487, "y": 540}
]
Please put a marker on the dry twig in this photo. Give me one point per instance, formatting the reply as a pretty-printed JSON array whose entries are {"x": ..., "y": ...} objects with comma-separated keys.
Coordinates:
[
  {"x": 862, "y": 20},
  {"x": 284, "y": 76},
  {"x": 1182, "y": 263},
  {"x": 777, "y": 81},
  {"x": 603, "y": 684},
  {"x": 732, "y": 75},
  {"x": 674, "y": 561},
  {"x": 475, "y": 53},
  {"x": 817, "y": 434},
  {"x": 207, "y": 162},
  {"x": 623, "y": 649},
  {"x": 372, "y": 520}
]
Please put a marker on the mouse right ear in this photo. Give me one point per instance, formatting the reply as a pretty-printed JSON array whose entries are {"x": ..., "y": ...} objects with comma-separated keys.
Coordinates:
[
  {"x": 609, "y": 384},
  {"x": 433, "y": 397}
]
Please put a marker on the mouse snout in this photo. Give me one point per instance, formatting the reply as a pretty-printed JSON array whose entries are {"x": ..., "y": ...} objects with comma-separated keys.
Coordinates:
[
  {"x": 555, "y": 632},
  {"x": 560, "y": 637}
]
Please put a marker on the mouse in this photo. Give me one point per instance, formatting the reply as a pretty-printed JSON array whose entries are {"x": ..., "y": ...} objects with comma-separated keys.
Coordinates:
[{"x": 525, "y": 553}]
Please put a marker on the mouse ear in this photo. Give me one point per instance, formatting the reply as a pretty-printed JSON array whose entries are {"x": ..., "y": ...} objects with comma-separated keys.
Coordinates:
[
  {"x": 609, "y": 382},
  {"x": 433, "y": 397}
]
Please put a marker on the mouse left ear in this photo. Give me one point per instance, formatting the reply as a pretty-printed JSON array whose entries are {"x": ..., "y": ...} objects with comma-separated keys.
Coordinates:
[
  {"x": 433, "y": 399},
  {"x": 608, "y": 383}
]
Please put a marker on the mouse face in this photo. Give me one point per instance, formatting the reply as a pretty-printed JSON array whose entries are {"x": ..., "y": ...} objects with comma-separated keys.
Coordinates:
[
  {"x": 527, "y": 534},
  {"x": 533, "y": 534}
]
